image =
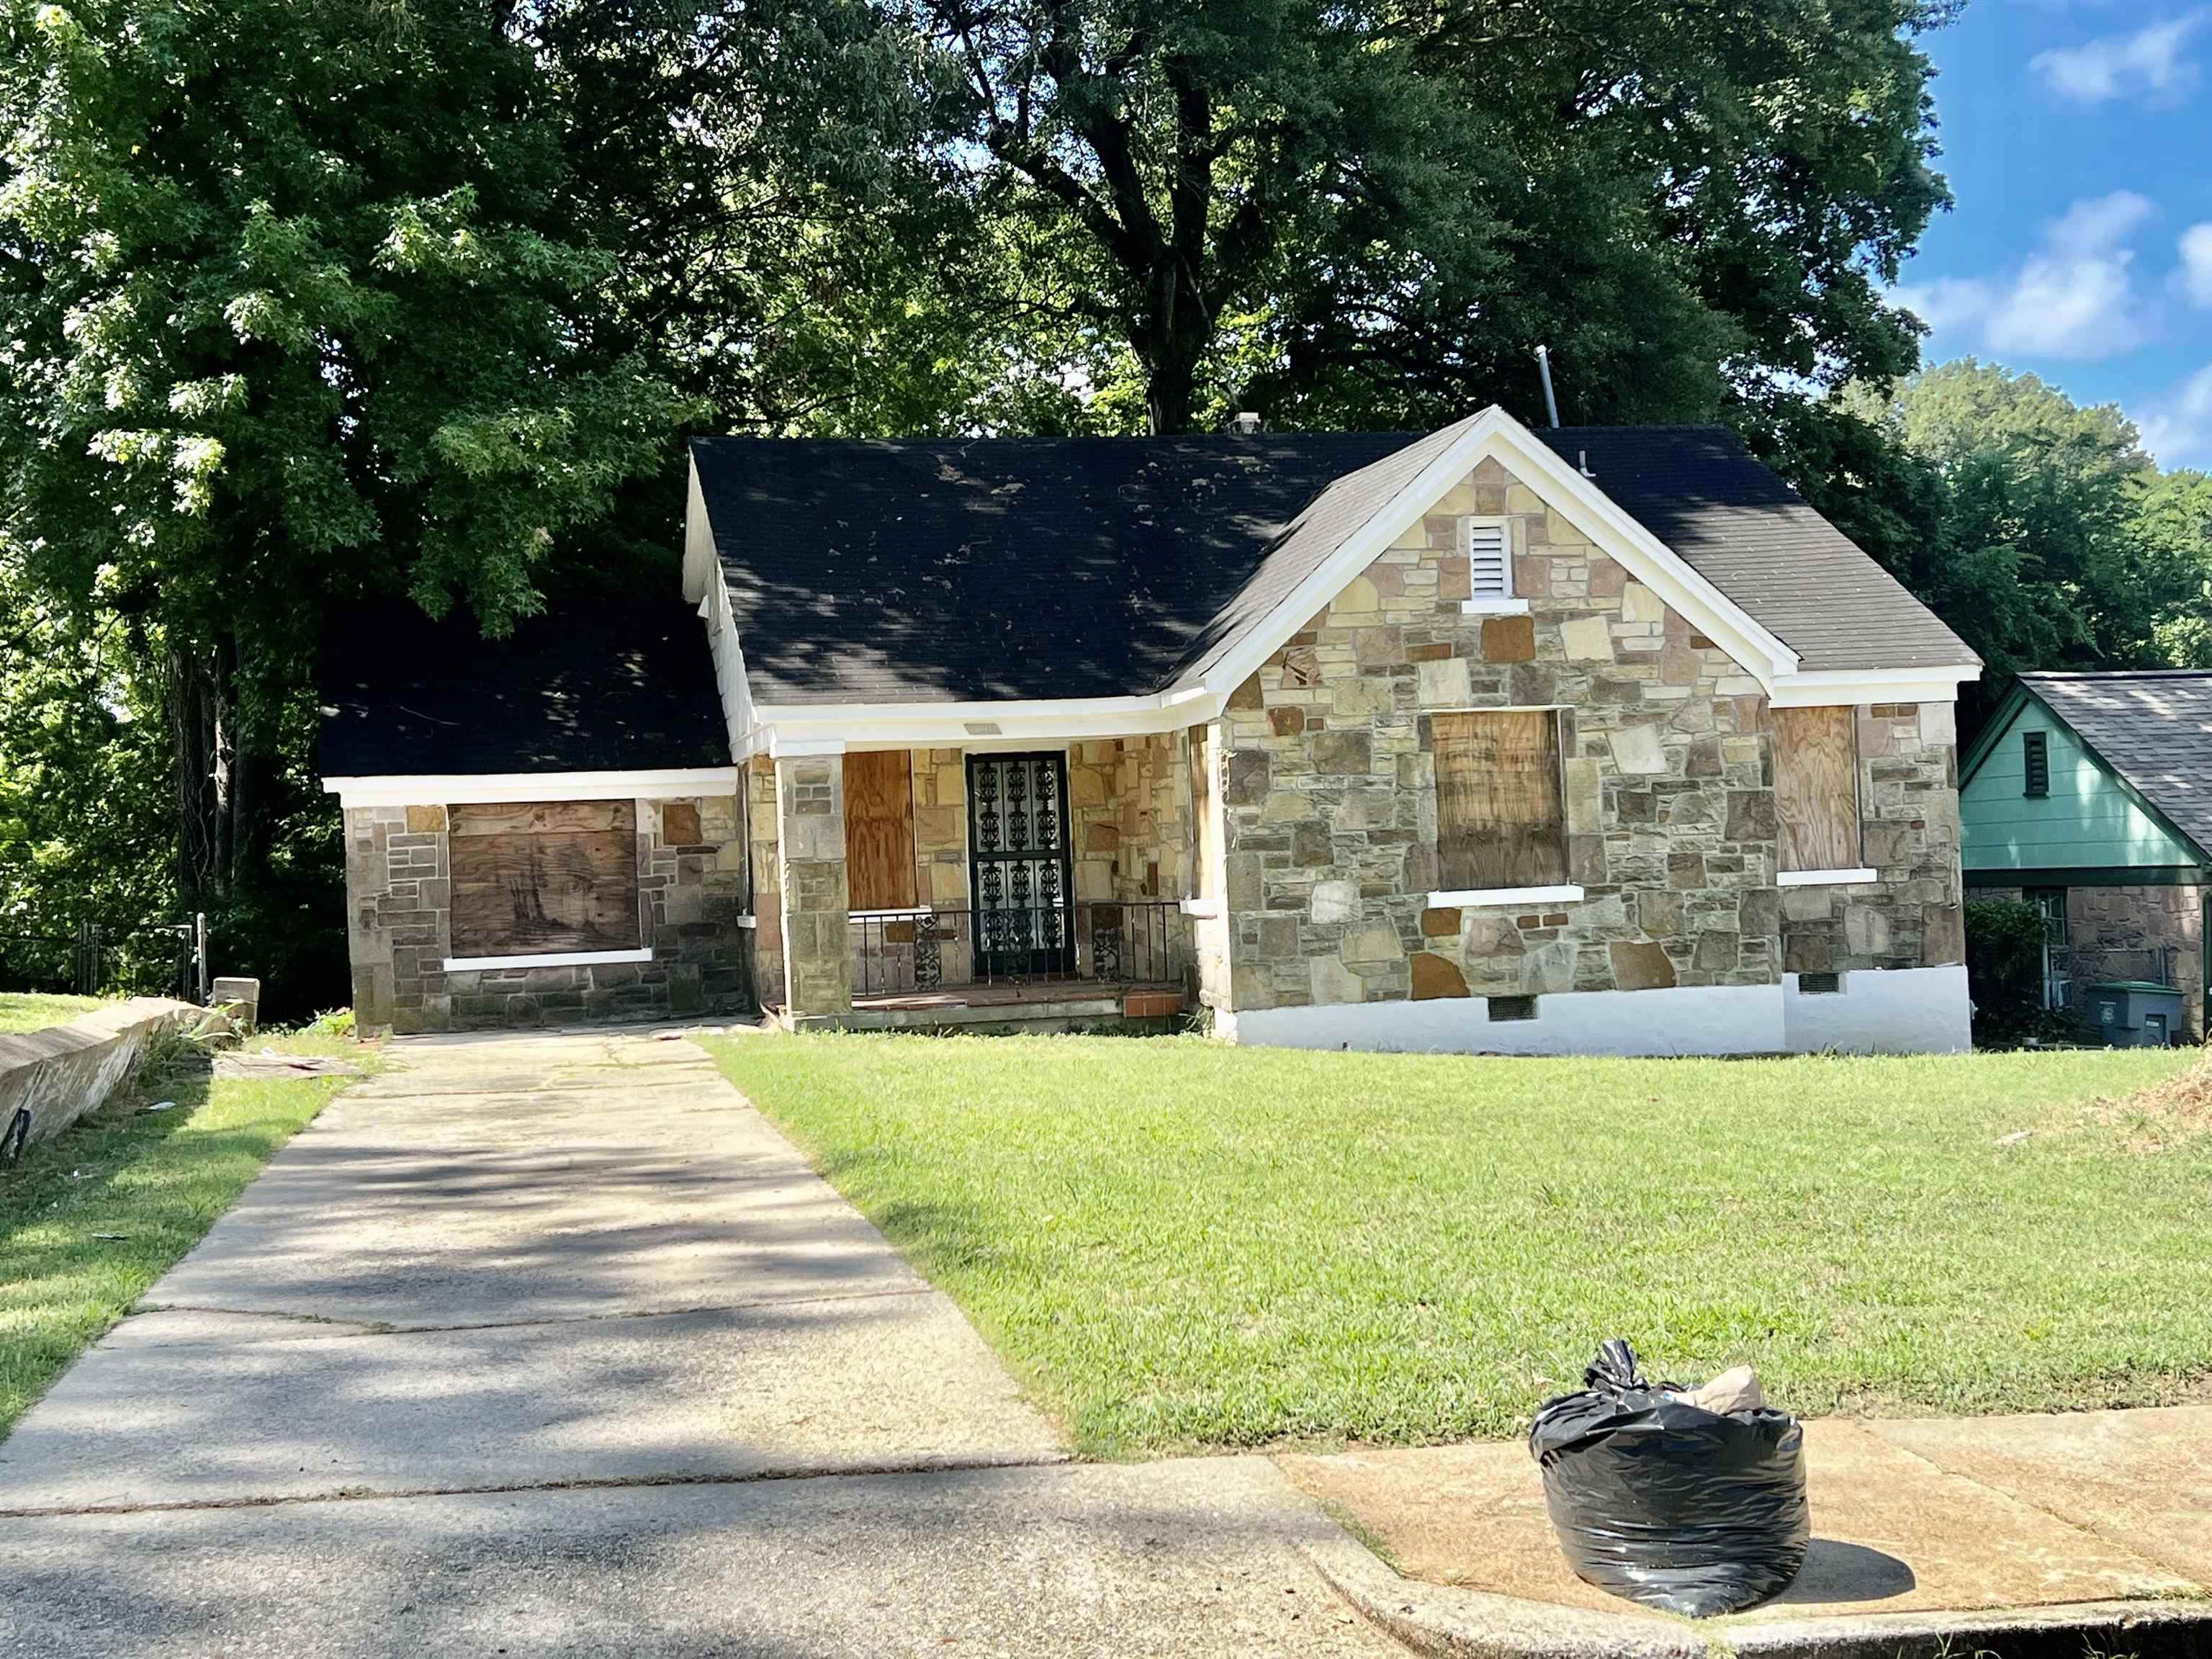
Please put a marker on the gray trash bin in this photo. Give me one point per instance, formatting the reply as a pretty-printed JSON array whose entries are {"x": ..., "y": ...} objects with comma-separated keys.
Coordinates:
[{"x": 2134, "y": 1013}]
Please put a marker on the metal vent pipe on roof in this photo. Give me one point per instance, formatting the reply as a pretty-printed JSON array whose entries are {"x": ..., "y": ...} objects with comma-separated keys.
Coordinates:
[
  {"x": 1245, "y": 425},
  {"x": 1544, "y": 368}
]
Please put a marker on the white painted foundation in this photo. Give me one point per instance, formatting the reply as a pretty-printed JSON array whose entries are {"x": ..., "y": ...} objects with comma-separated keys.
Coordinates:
[
  {"x": 1896, "y": 1010},
  {"x": 1903, "y": 1010},
  {"x": 1724, "y": 1019}
]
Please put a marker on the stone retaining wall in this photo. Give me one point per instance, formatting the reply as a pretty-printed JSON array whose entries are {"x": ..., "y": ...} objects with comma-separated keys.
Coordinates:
[{"x": 63, "y": 1071}]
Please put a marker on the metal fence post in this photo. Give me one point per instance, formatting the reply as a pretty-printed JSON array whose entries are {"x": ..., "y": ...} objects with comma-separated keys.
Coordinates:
[{"x": 200, "y": 956}]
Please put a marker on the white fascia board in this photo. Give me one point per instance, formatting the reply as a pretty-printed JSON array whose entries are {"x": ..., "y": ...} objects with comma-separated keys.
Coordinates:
[
  {"x": 1581, "y": 500},
  {"x": 1833, "y": 687},
  {"x": 781, "y": 729},
  {"x": 487, "y": 788}
]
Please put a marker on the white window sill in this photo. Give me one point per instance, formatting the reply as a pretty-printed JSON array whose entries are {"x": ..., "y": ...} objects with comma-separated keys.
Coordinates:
[
  {"x": 1824, "y": 877},
  {"x": 1494, "y": 606},
  {"x": 1204, "y": 909},
  {"x": 909, "y": 912},
  {"x": 1477, "y": 899},
  {"x": 550, "y": 959}
]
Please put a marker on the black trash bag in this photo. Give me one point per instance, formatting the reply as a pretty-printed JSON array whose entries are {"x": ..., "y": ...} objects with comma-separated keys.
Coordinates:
[{"x": 1668, "y": 1504}]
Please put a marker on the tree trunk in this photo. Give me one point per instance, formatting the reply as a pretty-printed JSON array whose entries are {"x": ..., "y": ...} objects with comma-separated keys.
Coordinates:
[
  {"x": 220, "y": 839},
  {"x": 1169, "y": 392}
]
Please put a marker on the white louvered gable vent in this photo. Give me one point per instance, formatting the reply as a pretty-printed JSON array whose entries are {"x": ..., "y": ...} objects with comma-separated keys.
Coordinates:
[{"x": 1482, "y": 543}]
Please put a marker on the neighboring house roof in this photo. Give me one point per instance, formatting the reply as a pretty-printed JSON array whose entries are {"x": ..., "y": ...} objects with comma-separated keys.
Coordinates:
[
  {"x": 601, "y": 683},
  {"x": 1043, "y": 569},
  {"x": 2153, "y": 729}
]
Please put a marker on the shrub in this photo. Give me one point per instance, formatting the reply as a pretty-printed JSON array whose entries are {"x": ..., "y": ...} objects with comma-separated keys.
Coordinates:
[{"x": 2004, "y": 973}]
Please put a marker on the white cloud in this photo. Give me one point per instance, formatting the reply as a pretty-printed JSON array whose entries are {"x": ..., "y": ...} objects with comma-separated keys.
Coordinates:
[
  {"x": 2074, "y": 297},
  {"x": 2177, "y": 429},
  {"x": 2150, "y": 60},
  {"x": 2196, "y": 273}
]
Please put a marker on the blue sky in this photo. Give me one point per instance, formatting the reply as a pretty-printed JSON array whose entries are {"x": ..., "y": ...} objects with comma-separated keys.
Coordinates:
[{"x": 2077, "y": 139}]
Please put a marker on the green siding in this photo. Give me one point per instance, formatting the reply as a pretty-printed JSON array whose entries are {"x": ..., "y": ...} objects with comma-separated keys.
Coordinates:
[{"x": 2086, "y": 821}]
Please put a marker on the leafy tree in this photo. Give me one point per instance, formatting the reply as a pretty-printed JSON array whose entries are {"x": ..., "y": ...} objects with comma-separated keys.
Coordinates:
[
  {"x": 2173, "y": 524},
  {"x": 296, "y": 306},
  {"x": 1344, "y": 216}
]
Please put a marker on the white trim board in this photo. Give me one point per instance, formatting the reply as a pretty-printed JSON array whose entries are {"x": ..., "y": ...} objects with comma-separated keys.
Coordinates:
[
  {"x": 1477, "y": 899},
  {"x": 544, "y": 959},
  {"x": 442, "y": 789}
]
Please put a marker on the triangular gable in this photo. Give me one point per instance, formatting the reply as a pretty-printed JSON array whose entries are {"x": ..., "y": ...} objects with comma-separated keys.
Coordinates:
[
  {"x": 1363, "y": 514},
  {"x": 2092, "y": 819}
]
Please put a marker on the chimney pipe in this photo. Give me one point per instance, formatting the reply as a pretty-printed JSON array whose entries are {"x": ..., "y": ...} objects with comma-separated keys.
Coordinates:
[
  {"x": 1544, "y": 368},
  {"x": 1245, "y": 425}
]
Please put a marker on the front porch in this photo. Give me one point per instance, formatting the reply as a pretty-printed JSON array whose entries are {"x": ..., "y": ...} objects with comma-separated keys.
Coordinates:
[{"x": 979, "y": 889}]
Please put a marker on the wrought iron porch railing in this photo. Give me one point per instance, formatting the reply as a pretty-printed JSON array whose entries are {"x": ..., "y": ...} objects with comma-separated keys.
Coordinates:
[{"x": 934, "y": 949}]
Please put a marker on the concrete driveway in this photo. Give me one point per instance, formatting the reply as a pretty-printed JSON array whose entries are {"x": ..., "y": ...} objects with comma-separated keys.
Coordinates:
[{"x": 552, "y": 1344}]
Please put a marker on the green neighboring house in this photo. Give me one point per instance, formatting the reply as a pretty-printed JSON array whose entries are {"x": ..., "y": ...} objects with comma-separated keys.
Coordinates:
[{"x": 2090, "y": 795}]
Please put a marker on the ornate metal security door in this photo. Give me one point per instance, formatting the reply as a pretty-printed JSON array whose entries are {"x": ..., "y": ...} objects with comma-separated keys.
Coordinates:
[{"x": 1018, "y": 864}]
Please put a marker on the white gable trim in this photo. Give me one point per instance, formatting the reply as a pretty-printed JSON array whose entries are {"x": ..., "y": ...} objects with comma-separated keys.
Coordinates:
[{"x": 1495, "y": 434}]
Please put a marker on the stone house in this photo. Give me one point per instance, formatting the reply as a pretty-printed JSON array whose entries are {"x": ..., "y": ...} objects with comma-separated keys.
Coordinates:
[
  {"x": 1489, "y": 739},
  {"x": 2090, "y": 795}
]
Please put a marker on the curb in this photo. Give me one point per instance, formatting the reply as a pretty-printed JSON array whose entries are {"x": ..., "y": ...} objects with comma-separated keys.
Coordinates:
[{"x": 1446, "y": 1622}]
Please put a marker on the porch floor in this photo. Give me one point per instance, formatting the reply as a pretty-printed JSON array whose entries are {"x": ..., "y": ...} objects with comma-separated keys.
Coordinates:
[{"x": 1035, "y": 1005}]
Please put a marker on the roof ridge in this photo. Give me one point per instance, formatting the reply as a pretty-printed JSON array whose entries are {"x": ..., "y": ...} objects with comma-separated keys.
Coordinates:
[{"x": 2117, "y": 674}]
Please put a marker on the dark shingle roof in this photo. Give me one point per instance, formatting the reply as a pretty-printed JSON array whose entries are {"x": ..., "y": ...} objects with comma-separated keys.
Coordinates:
[
  {"x": 1741, "y": 527},
  {"x": 603, "y": 683},
  {"x": 997, "y": 567},
  {"x": 1048, "y": 567},
  {"x": 2155, "y": 729}
]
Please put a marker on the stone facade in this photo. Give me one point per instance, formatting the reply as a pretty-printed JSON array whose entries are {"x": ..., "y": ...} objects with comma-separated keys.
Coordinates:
[
  {"x": 817, "y": 951},
  {"x": 1329, "y": 792},
  {"x": 399, "y": 895}
]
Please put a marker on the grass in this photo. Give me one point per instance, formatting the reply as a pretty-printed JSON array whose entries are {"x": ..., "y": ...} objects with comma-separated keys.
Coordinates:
[
  {"x": 1179, "y": 1245},
  {"x": 33, "y": 1010},
  {"x": 91, "y": 1219}
]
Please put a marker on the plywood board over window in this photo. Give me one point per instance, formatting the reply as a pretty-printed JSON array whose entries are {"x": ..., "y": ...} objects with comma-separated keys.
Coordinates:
[
  {"x": 879, "y": 831},
  {"x": 1501, "y": 820},
  {"x": 1816, "y": 787},
  {"x": 538, "y": 877}
]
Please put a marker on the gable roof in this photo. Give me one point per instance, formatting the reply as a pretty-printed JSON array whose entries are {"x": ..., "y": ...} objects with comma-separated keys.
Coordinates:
[
  {"x": 601, "y": 683},
  {"x": 2153, "y": 730},
  {"x": 1043, "y": 569},
  {"x": 1699, "y": 490}
]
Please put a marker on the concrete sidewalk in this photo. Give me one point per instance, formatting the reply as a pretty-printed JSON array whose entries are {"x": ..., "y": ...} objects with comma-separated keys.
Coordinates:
[{"x": 1991, "y": 1530}]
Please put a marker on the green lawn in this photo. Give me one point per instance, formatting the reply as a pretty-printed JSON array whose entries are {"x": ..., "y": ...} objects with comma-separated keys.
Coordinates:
[
  {"x": 91, "y": 1217},
  {"x": 1178, "y": 1245},
  {"x": 32, "y": 1011}
]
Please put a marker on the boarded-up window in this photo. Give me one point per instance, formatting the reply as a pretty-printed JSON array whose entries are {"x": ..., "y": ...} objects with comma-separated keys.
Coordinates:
[
  {"x": 879, "y": 831},
  {"x": 1500, "y": 818},
  {"x": 1816, "y": 793},
  {"x": 1204, "y": 807},
  {"x": 540, "y": 877}
]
